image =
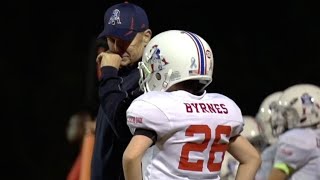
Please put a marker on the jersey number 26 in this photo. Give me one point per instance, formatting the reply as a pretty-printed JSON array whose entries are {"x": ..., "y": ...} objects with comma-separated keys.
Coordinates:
[{"x": 184, "y": 163}]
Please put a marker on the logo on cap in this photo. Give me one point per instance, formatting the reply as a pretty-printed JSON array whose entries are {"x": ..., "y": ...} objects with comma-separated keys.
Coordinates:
[{"x": 115, "y": 18}]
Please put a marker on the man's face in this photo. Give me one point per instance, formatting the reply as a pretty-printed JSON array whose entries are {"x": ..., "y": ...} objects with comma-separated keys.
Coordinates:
[{"x": 131, "y": 52}]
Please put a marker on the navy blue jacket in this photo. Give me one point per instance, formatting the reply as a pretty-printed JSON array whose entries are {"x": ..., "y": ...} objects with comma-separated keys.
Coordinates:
[{"x": 116, "y": 91}]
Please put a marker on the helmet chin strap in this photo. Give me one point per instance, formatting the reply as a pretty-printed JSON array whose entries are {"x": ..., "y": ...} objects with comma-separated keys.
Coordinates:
[{"x": 167, "y": 79}]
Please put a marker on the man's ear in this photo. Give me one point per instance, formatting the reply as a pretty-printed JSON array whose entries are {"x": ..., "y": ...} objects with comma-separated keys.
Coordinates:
[{"x": 147, "y": 36}]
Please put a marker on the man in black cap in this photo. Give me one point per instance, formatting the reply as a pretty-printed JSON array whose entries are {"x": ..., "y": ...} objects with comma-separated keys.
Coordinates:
[{"x": 126, "y": 31}]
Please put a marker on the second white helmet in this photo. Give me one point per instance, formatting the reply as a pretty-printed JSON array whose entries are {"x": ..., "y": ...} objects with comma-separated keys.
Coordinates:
[
  {"x": 263, "y": 115},
  {"x": 298, "y": 107},
  {"x": 253, "y": 132}
]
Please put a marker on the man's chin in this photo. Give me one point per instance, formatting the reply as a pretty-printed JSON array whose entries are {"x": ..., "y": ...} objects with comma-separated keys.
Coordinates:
[{"x": 125, "y": 62}]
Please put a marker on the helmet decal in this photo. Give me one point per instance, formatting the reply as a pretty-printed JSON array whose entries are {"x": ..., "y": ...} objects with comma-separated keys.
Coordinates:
[{"x": 157, "y": 61}]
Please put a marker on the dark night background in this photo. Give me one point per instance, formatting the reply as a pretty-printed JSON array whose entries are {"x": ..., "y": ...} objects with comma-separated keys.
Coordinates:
[{"x": 48, "y": 64}]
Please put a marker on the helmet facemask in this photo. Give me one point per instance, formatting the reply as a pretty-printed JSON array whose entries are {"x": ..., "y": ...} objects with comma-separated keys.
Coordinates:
[
  {"x": 279, "y": 123},
  {"x": 145, "y": 75},
  {"x": 153, "y": 67}
]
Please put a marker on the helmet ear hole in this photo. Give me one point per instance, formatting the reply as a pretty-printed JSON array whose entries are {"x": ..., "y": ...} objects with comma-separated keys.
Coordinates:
[{"x": 158, "y": 76}]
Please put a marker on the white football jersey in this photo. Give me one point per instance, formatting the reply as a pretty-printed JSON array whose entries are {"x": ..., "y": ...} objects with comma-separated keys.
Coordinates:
[
  {"x": 193, "y": 132},
  {"x": 300, "y": 149},
  {"x": 267, "y": 158}
]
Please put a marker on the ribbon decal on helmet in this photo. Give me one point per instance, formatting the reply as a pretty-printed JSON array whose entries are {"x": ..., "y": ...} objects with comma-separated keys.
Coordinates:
[
  {"x": 193, "y": 63},
  {"x": 201, "y": 53}
]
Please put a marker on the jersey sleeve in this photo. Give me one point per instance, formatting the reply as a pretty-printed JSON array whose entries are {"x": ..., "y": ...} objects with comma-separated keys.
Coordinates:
[
  {"x": 237, "y": 129},
  {"x": 292, "y": 152},
  {"x": 237, "y": 121},
  {"x": 144, "y": 115}
]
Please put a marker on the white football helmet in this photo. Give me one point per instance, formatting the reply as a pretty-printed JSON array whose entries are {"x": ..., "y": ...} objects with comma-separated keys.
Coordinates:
[
  {"x": 251, "y": 128},
  {"x": 253, "y": 132},
  {"x": 174, "y": 56},
  {"x": 263, "y": 115},
  {"x": 299, "y": 106}
]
